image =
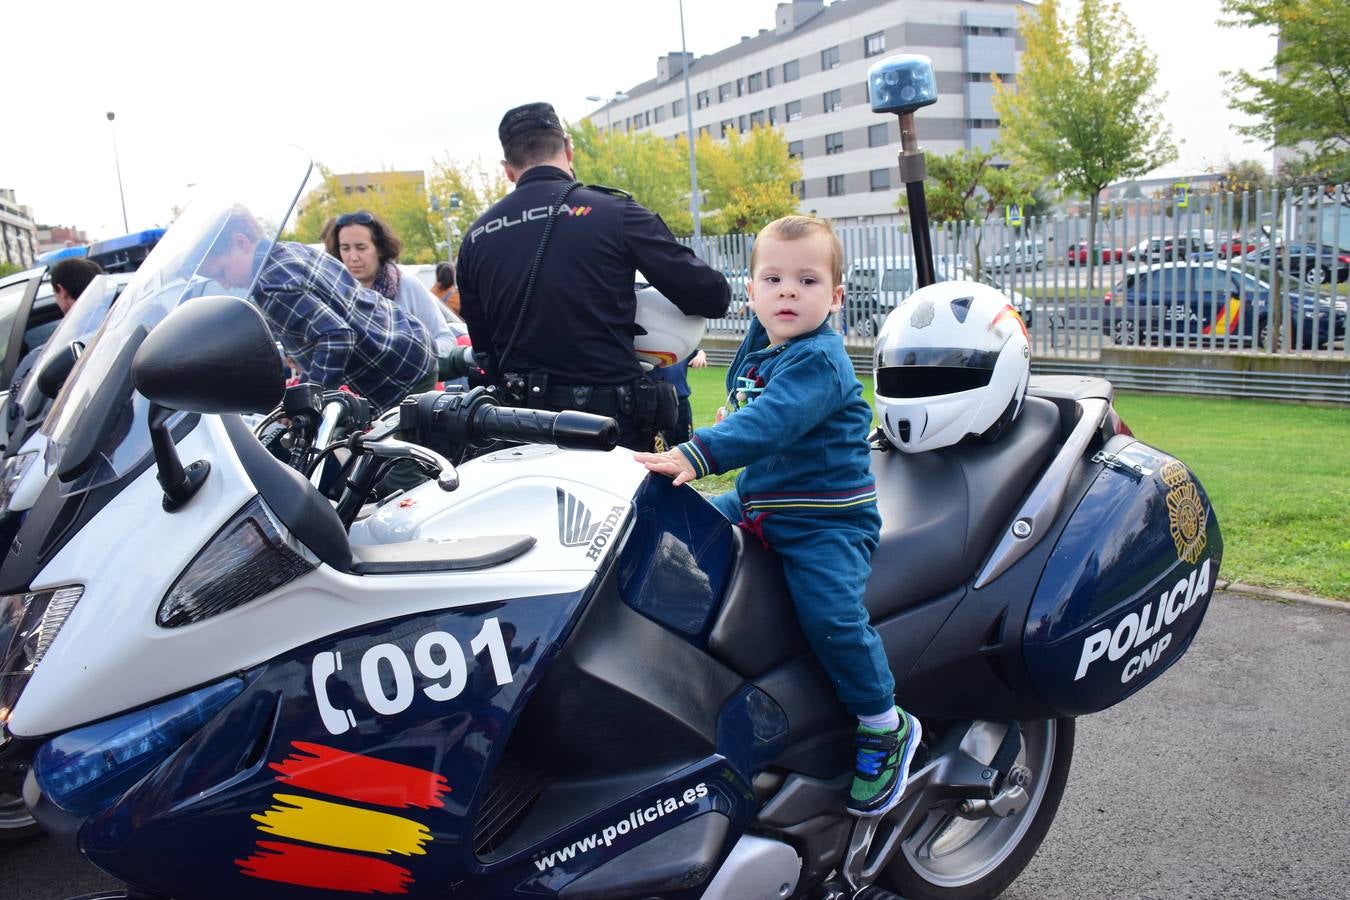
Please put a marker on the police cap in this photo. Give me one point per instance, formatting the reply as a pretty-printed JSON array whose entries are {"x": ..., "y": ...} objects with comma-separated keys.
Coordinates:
[{"x": 527, "y": 118}]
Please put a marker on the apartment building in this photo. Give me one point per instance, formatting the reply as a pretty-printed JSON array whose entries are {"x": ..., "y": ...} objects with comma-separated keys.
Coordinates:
[
  {"x": 808, "y": 76},
  {"x": 18, "y": 232}
]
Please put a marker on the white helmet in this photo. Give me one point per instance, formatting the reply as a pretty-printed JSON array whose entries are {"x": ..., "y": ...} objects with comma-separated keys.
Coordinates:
[
  {"x": 952, "y": 360},
  {"x": 665, "y": 335}
]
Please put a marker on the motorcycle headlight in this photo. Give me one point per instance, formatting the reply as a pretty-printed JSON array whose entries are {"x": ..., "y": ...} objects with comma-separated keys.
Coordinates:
[
  {"x": 251, "y": 555},
  {"x": 29, "y": 624},
  {"x": 11, "y": 473},
  {"x": 86, "y": 770}
]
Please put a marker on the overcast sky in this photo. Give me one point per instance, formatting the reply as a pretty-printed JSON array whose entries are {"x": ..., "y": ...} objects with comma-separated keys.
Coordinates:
[{"x": 395, "y": 84}]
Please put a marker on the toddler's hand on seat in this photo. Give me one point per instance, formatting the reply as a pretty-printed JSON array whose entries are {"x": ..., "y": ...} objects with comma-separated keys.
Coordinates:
[{"x": 672, "y": 463}]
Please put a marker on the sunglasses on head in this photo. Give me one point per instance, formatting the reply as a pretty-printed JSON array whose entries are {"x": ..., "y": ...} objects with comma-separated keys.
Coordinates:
[{"x": 356, "y": 218}]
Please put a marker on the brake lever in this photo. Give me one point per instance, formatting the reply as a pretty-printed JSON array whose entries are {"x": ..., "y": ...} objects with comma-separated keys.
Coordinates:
[{"x": 447, "y": 478}]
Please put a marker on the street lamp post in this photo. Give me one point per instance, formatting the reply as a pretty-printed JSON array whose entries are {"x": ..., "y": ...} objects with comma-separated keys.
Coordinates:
[
  {"x": 451, "y": 228},
  {"x": 689, "y": 117},
  {"x": 618, "y": 97},
  {"x": 118, "y": 163}
]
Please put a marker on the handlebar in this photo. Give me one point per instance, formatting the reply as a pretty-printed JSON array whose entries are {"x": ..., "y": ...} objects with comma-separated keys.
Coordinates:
[{"x": 569, "y": 429}]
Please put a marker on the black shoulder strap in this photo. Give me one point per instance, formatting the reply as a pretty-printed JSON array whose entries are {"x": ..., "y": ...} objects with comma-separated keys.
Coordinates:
[{"x": 534, "y": 272}]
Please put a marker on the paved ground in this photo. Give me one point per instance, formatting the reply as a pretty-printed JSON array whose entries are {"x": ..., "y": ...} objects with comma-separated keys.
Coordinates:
[{"x": 1226, "y": 779}]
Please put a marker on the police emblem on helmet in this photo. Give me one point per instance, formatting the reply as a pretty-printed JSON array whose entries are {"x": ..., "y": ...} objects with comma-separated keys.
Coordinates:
[{"x": 1186, "y": 513}]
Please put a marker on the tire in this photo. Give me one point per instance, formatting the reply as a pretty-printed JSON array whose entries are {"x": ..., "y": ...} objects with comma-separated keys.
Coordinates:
[
  {"x": 1040, "y": 265},
  {"x": 984, "y": 856},
  {"x": 867, "y": 327},
  {"x": 1262, "y": 334},
  {"x": 1316, "y": 274},
  {"x": 16, "y": 823},
  {"x": 1122, "y": 333}
]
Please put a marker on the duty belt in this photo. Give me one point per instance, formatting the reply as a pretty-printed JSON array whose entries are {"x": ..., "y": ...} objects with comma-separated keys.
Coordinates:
[{"x": 617, "y": 401}]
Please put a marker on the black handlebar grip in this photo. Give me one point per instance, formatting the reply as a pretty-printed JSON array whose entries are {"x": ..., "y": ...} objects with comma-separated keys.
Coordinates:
[{"x": 572, "y": 430}]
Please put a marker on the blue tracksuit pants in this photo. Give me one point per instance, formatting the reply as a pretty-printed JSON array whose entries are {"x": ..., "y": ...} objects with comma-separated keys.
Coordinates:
[{"x": 827, "y": 559}]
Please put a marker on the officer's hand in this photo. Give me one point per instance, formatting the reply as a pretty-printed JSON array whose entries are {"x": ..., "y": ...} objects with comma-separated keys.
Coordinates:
[
  {"x": 672, "y": 463},
  {"x": 699, "y": 360}
]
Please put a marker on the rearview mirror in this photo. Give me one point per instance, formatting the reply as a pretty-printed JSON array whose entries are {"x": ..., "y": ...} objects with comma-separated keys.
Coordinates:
[
  {"x": 211, "y": 355},
  {"x": 57, "y": 369}
]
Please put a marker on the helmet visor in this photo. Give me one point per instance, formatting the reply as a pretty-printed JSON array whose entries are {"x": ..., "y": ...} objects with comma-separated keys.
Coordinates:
[{"x": 932, "y": 371}]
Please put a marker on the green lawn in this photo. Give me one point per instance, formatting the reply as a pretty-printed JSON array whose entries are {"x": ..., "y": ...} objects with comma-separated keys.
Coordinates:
[{"x": 1277, "y": 474}]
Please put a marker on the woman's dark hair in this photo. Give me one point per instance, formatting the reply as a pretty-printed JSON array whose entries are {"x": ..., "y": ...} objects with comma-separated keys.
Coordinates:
[{"x": 387, "y": 244}]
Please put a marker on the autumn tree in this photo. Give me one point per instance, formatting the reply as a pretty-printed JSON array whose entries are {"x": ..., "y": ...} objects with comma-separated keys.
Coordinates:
[
  {"x": 746, "y": 180},
  {"x": 654, "y": 171},
  {"x": 1303, "y": 97},
  {"x": 1084, "y": 111}
]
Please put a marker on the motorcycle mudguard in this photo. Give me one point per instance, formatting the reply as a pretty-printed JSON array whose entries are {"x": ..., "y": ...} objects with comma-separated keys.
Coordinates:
[{"x": 1127, "y": 585}]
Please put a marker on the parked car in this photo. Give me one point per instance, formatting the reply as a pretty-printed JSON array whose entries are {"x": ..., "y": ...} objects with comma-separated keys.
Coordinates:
[
  {"x": 875, "y": 285},
  {"x": 1189, "y": 301},
  {"x": 1078, "y": 254},
  {"x": 1309, "y": 262},
  {"x": 1230, "y": 245},
  {"x": 1019, "y": 255},
  {"x": 1169, "y": 249}
]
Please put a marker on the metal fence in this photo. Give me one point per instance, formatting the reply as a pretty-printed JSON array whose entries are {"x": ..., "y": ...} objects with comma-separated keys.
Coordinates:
[{"x": 1252, "y": 274}]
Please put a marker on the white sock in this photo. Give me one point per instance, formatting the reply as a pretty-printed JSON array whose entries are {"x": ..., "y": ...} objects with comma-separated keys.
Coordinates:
[{"x": 887, "y": 721}]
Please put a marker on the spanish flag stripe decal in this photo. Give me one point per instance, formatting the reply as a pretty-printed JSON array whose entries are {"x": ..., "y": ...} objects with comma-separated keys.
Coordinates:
[
  {"x": 347, "y": 827},
  {"x": 326, "y": 870},
  {"x": 363, "y": 779}
]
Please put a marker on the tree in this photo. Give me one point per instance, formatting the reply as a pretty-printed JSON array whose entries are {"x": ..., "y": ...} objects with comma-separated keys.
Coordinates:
[
  {"x": 746, "y": 181},
  {"x": 1305, "y": 99},
  {"x": 405, "y": 206},
  {"x": 966, "y": 185},
  {"x": 654, "y": 171},
  {"x": 1084, "y": 111}
]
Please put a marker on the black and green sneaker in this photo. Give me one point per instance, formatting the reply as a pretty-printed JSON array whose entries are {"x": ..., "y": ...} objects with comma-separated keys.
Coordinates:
[{"x": 882, "y": 766}]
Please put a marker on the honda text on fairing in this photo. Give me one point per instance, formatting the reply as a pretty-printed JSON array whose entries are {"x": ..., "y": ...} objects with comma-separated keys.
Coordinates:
[{"x": 542, "y": 672}]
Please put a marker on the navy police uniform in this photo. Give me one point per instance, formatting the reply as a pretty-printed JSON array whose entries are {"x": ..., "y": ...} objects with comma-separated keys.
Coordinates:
[{"x": 574, "y": 348}]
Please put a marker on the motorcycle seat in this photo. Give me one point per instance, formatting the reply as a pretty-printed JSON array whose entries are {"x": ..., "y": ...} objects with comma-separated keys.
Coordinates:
[
  {"x": 438, "y": 556},
  {"x": 941, "y": 512}
]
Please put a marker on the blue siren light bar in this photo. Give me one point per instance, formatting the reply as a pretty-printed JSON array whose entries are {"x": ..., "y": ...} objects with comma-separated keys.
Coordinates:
[{"x": 901, "y": 84}]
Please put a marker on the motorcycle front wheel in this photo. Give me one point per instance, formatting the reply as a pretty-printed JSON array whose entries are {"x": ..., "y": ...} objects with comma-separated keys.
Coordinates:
[
  {"x": 953, "y": 857},
  {"x": 16, "y": 822}
]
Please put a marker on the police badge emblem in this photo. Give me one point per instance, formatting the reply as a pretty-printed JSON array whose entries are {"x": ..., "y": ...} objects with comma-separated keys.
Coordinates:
[{"x": 1186, "y": 513}]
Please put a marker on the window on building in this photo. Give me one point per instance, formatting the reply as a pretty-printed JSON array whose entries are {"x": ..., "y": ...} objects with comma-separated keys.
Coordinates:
[
  {"x": 834, "y": 186},
  {"x": 755, "y": 82},
  {"x": 876, "y": 135},
  {"x": 799, "y": 190},
  {"x": 702, "y": 101},
  {"x": 874, "y": 44},
  {"x": 773, "y": 115},
  {"x": 677, "y": 108},
  {"x": 981, "y": 123},
  {"x": 659, "y": 114},
  {"x": 834, "y": 100},
  {"x": 829, "y": 57},
  {"x": 742, "y": 124},
  {"x": 724, "y": 92},
  {"x": 794, "y": 110},
  {"x": 768, "y": 77},
  {"x": 794, "y": 149},
  {"x": 757, "y": 118},
  {"x": 881, "y": 179},
  {"x": 834, "y": 143},
  {"x": 704, "y": 129},
  {"x": 791, "y": 71},
  {"x": 727, "y": 125},
  {"x": 740, "y": 87}
]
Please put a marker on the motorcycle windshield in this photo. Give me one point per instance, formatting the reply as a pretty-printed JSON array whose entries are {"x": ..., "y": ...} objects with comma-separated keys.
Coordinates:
[
  {"x": 98, "y": 424},
  {"x": 78, "y": 325}
]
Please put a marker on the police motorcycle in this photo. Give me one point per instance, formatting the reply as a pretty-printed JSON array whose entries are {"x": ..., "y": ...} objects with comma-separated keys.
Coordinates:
[{"x": 544, "y": 672}]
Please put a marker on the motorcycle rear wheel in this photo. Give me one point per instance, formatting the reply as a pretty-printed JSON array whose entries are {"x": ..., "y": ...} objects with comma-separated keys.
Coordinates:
[{"x": 949, "y": 857}]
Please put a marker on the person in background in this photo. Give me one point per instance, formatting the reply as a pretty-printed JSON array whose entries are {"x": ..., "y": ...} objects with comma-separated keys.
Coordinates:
[
  {"x": 369, "y": 249},
  {"x": 69, "y": 278},
  {"x": 546, "y": 284},
  {"x": 678, "y": 375},
  {"x": 444, "y": 289},
  {"x": 338, "y": 332}
]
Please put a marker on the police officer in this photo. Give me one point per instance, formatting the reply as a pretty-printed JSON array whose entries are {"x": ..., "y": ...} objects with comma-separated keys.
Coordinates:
[{"x": 546, "y": 283}]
